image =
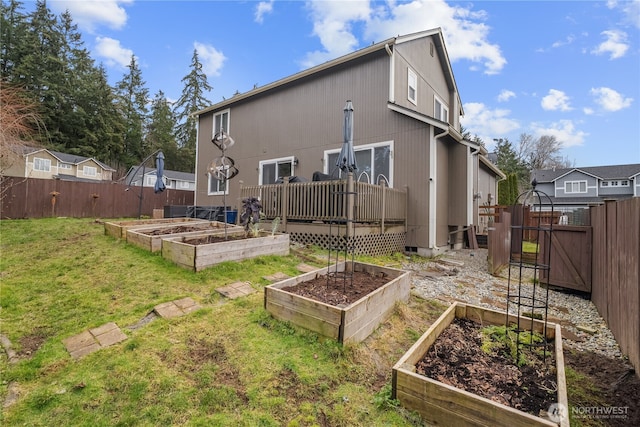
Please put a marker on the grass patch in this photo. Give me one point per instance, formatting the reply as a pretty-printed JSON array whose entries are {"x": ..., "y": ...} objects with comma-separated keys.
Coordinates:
[{"x": 229, "y": 363}]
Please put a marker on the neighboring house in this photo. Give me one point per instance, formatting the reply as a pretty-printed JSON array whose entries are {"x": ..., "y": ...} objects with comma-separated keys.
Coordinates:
[
  {"x": 406, "y": 132},
  {"x": 47, "y": 164},
  {"x": 581, "y": 187},
  {"x": 172, "y": 179}
]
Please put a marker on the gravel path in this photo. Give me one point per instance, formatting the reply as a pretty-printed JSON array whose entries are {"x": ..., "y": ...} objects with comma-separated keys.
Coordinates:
[{"x": 463, "y": 276}]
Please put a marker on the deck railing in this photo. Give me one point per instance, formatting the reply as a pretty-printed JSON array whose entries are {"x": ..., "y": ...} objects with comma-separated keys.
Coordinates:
[{"x": 341, "y": 200}]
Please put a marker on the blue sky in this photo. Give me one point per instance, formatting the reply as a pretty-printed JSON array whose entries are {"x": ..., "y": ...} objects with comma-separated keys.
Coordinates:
[{"x": 565, "y": 68}]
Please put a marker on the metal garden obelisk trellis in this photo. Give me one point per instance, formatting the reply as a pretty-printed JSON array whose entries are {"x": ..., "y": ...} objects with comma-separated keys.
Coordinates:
[
  {"x": 223, "y": 168},
  {"x": 346, "y": 162},
  {"x": 530, "y": 299}
]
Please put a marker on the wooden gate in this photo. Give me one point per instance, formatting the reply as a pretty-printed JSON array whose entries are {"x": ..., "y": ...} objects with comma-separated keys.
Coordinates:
[{"x": 570, "y": 262}]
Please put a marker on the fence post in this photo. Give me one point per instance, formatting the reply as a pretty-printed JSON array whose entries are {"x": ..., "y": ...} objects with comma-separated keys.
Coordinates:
[
  {"x": 350, "y": 204},
  {"x": 384, "y": 205}
]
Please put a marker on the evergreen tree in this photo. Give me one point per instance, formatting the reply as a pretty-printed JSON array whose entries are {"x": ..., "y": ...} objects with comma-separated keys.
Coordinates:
[
  {"x": 160, "y": 134},
  {"x": 191, "y": 100},
  {"x": 13, "y": 28},
  {"x": 133, "y": 97},
  {"x": 510, "y": 162}
]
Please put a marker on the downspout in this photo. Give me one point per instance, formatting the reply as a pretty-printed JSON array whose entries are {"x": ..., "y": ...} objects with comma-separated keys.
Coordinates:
[
  {"x": 432, "y": 189},
  {"x": 392, "y": 76},
  {"x": 195, "y": 190}
]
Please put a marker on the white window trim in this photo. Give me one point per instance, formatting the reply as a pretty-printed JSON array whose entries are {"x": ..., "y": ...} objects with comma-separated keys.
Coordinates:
[
  {"x": 86, "y": 171},
  {"x": 278, "y": 160},
  {"x": 46, "y": 163},
  {"x": 443, "y": 107},
  {"x": 586, "y": 188},
  {"x": 411, "y": 75},
  {"x": 184, "y": 184},
  {"x": 216, "y": 193},
  {"x": 219, "y": 113},
  {"x": 150, "y": 180},
  {"x": 65, "y": 166},
  {"x": 329, "y": 168},
  {"x": 618, "y": 183}
]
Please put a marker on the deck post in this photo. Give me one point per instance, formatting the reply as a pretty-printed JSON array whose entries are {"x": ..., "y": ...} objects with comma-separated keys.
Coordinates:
[{"x": 285, "y": 202}]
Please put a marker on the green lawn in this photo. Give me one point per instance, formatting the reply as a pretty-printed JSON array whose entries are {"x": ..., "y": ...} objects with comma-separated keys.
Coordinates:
[{"x": 229, "y": 363}]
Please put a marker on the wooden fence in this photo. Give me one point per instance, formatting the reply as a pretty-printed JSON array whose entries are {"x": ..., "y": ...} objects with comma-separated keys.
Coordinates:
[
  {"x": 607, "y": 264},
  {"x": 616, "y": 272},
  {"x": 40, "y": 198}
]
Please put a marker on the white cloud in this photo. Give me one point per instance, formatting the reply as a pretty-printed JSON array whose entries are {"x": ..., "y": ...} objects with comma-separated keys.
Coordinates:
[
  {"x": 263, "y": 8},
  {"x": 465, "y": 33},
  {"x": 564, "y": 131},
  {"x": 91, "y": 14},
  {"x": 486, "y": 123},
  {"x": 506, "y": 95},
  {"x": 629, "y": 9},
  {"x": 615, "y": 45},
  {"x": 113, "y": 52},
  {"x": 211, "y": 58},
  {"x": 570, "y": 39},
  {"x": 556, "y": 100},
  {"x": 332, "y": 25},
  {"x": 610, "y": 100}
]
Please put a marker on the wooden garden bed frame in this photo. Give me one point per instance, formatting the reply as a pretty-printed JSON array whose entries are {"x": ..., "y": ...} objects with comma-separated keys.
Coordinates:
[
  {"x": 118, "y": 229},
  {"x": 442, "y": 404},
  {"x": 199, "y": 257},
  {"x": 153, "y": 243},
  {"x": 350, "y": 324}
]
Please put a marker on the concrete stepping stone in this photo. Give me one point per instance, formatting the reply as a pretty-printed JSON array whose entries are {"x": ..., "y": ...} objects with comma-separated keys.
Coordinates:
[
  {"x": 305, "y": 268},
  {"x": 176, "y": 308},
  {"x": 93, "y": 340},
  {"x": 236, "y": 290},
  {"x": 276, "y": 277}
]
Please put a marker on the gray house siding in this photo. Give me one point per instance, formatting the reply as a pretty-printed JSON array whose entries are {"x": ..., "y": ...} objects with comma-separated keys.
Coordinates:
[
  {"x": 301, "y": 117},
  {"x": 591, "y": 185}
]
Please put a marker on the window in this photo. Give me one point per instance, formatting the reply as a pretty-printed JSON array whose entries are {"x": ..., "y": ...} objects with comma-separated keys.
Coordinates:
[
  {"x": 43, "y": 165},
  {"x": 412, "y": 87},
  {"x": 615, "y": 183},
  {"x": 374, "y": 163},
  {"x": 89, "y": 171},
  {"x": 273, "y": 170},
  {"x": 150, "y": 180},
  {"x": 575, "y": 187},
  {"x": 183, "y": 184},
  {"x": 64, "y": 166},
  {"x": 440, "y": 111},
  {"x": 216, "y": 186},
  {"x": 221, "y": 122}
]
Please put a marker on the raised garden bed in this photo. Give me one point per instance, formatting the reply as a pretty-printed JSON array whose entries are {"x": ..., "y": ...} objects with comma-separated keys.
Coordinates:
[
  {"x": 118, "y": 229},
  {"x": 344, "y": 321},
  {"x": 196, "y": 252},
  {"x": 151, "y": 238},
  {"x": 442, "y": 404}
]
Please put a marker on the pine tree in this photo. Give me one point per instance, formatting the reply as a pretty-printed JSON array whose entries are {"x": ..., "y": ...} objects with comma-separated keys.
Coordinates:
[
  {"x": 13, "y": 28},
  {"x": 160, "y": 134},
  {"x": 133, "y": 97},
  {"x": 191, "y": 100}
]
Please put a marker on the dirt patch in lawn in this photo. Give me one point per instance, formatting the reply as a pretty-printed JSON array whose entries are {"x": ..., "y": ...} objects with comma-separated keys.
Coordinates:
[
  {"x": 339, "y": 289},
  {"x": 603, "y": 383},
  {"x": 456, "y": 358}
]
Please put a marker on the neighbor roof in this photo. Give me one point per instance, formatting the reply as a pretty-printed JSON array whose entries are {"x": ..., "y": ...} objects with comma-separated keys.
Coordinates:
[
  {"x": 73, "y": 159},
  {"x": 602, "y": 172}
]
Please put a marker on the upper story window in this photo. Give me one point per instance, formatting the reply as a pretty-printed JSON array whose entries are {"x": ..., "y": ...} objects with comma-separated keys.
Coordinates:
[
  {"x": 375, "y": 163},
  {"x": 274, "y": 169},
  {"x": 412, "y": 86},
  {"x": 150, "y": 180},
  {"x": 440, "y": 111},
  {"x": 575, "y": 187},
  {"x": 89, "y": 171},
  {"x": 615, "y": 183},
  {"x": 183, "y": 184},
  {"x": 221, "y": 122},
  {"x": 43, "y": 165},
  {"x": 64, "y": 166}
]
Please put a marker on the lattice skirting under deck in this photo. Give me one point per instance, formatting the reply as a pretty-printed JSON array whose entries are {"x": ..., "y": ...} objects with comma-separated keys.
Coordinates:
[{"x": 369, "y": 244}]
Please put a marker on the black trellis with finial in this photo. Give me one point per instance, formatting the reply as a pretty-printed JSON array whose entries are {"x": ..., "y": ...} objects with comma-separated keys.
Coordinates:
[{"x": 528, "y": 280}]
